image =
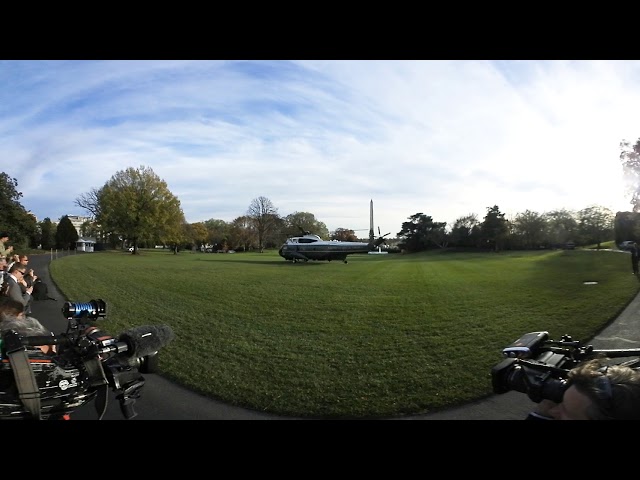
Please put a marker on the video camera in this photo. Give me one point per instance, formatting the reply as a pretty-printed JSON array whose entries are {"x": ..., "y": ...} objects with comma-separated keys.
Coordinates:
[
  {"x": 539, "y": 367},
  {"x": 86, "y": 364}
]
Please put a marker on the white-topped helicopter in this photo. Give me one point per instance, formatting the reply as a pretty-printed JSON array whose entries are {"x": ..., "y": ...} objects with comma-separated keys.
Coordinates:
[{"x": 309, "y": 246}]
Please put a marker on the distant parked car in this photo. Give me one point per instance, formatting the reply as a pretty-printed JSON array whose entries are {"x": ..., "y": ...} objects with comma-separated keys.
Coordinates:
[{"x": 626, "y": 245}]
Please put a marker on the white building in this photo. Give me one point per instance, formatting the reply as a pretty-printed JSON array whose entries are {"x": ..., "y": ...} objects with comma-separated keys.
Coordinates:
[
  {"x": 83, "y": 244},
  {"x": 77, "y": 221}
]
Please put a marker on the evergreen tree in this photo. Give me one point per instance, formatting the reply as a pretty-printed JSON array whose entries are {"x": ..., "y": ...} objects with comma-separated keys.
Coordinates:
[
  {"x": 421, "y": 232},
  {"x": 47, "y": 234},
  {"x": 66, "y": 234},
  {"x": 494, "y": 229}
]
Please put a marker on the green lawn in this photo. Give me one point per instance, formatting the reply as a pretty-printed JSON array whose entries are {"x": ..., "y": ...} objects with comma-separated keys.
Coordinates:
[{"x": 383, "y": 335}]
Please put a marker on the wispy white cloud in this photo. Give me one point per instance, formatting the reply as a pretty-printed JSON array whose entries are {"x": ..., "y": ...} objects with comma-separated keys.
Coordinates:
[{"x": 445, "y": 138}]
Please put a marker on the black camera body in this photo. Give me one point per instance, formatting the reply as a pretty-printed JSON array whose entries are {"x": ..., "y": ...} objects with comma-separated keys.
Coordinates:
[
  {"x": 539, "y": 366},
  {"x": 63, "y": 387},
  {"x": 86, "y": 365}
]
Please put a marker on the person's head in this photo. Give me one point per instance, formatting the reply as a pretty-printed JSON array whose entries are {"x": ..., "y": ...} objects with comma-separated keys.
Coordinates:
[
  {"x": 600, "y": 392},
  {"x": 26, "y": 327},
  {"x": 24, "y": 259},
  {"x": 17, "y": 270},
  {"x": 3, "y": 262},
  {"x": 4, "y": 237},
  {"x": 11, "y": 308}
]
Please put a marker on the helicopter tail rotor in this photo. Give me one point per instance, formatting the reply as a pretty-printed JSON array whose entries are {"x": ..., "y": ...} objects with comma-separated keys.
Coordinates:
[{"x": 380, "y": 240}]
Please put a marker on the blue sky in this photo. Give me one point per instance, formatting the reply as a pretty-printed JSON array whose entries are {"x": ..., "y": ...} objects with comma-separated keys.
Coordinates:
[{"x": 444, "y": 138}]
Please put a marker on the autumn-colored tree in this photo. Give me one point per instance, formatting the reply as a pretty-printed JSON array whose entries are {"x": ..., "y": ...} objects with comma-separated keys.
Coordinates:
[
  {"x": 242, "y": 233},
  {"x": 136, "y": 203},
  {"x": 174, "y": 233},
  {"x": 305, "y": 221},
  {"x": 198, "y": 233},
  {"x": 344, "y": 235},
  {"x": 218, "y": 232}
]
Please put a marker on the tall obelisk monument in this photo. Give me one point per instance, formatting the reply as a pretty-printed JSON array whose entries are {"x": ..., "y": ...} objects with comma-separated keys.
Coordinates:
[{"x": 371, "y": 234}]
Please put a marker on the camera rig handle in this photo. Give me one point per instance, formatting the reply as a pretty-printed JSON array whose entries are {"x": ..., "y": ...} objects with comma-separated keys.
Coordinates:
[
  {"x": 619, "y": 352},
  {"x": 128, "y": 399},
  {"x": 25, "y": 380}
]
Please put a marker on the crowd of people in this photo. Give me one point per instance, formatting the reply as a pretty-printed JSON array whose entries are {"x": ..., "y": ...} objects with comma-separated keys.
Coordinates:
[
  {"x": 16, "y": 278},
  {"x": 16, "y": 293}
]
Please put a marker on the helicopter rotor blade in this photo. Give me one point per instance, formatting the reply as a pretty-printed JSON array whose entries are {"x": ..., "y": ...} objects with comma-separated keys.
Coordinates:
[{"x": 304, "y": 232}]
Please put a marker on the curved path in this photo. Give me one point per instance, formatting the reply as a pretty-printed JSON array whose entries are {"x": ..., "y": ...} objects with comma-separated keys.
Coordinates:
[{"x": 164, "y": 400}]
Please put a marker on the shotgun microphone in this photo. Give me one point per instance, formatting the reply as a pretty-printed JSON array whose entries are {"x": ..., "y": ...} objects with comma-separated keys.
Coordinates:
[{"x": 146, "y": 340}]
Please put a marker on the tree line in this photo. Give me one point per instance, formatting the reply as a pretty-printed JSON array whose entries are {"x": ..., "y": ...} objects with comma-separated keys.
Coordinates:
[
  {"x": 22, "y": 226},
  {"x": 135, "y": 207},
  {"x": 528, "y": 230}
]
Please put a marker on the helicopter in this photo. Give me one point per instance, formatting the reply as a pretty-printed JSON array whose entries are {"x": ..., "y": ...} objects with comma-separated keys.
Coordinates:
[{"x": 309, "y": 246}]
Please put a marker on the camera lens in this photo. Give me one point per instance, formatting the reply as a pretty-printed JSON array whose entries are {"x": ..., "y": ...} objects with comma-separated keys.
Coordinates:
[
  {"x": 91, "y": 310},
  {"x": 511, "y": 374}
]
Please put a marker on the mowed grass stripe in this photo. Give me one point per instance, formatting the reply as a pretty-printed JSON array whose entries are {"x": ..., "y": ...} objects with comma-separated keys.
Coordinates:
[{"x": 383, "y": 335}]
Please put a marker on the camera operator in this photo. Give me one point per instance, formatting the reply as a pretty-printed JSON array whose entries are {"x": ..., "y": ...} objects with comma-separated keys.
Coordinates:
[{"x": 595, "y": 392}]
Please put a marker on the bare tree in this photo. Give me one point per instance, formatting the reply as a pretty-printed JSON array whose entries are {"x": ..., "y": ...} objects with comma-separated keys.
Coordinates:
[
  {"x": 264, "y": 217},
  {"x": 90, "y": 201}
]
